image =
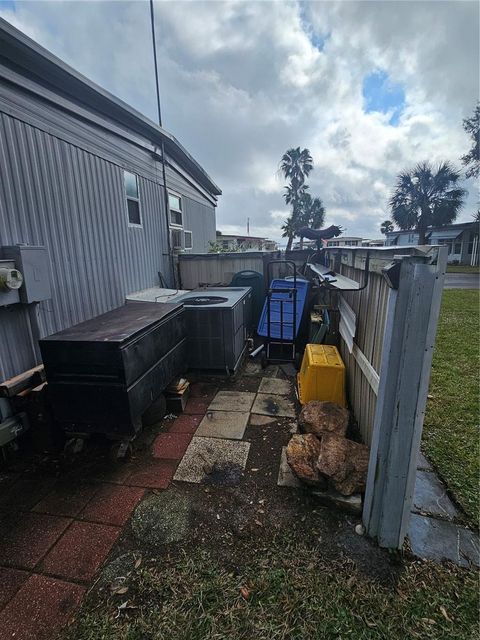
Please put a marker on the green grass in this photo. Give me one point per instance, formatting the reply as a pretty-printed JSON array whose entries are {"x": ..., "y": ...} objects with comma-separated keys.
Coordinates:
[
  {"x": 292, "y": 593},
  {"x": 462, "y": 268},
  {"x": 451, "y": 431}
]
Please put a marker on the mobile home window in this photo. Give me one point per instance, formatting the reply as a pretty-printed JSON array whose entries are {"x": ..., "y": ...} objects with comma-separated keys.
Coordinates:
[
  {"x": 188, "y": 239},
  {"x": 133, "y": 198},
  {"x": 176, "y": 212}
]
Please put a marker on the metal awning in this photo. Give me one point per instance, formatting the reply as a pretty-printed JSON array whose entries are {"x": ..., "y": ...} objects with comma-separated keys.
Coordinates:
[
  {"x": 333, "y": 280},
  {"x": 445, "y": 234}
]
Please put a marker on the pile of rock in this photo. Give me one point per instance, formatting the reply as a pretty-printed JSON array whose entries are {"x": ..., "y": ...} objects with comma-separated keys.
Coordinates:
[{"x": 321, "y": 456}]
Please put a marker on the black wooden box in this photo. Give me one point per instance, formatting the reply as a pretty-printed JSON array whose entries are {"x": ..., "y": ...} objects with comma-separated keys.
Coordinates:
[{"x": 104, "y": 373}]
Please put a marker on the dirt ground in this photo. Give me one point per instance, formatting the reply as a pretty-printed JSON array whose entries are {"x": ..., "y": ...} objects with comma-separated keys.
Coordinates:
[{"x": 231, "y": 522}]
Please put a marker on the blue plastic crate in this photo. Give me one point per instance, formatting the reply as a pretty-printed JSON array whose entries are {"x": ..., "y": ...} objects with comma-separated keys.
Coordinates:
[{"x": 275, "y": 313}]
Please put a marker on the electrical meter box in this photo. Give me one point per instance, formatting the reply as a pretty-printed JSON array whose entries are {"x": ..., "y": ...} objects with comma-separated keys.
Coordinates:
[
  {"x": 7, "y": 295},
  {"x": 34, "y": 265},
  {"x": 322, "y": 376}
]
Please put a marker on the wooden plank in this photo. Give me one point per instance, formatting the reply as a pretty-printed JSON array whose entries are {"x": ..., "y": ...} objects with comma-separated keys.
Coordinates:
[
  {"x": 368, "y": 371},
  {"x": 31, "y": 378},
  {"x": 348, "y": 322},
  {"x": 406, "y": 360}
]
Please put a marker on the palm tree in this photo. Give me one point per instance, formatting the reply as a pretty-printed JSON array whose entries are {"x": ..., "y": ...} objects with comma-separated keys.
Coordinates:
[
  {"x": 386, "y": 227},
  {"x": 316, "y": 214},
  {"x": 295, "y": 165},
  {"x": 312, "y": 214},
  {"x": 427, "y": 196},
  {"x": 472, "y": 158},
  {"x": 288, "y": 229}
]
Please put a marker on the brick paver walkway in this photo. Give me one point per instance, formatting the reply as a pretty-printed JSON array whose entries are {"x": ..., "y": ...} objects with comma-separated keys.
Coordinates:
[{"x": 55, "y": 534}]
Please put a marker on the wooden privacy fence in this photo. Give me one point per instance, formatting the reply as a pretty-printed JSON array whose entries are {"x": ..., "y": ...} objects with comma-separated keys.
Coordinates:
[
  {"x": 196, "y": 270},
  {"x": 387, "y": 337},
  {"x": 200, "y": 269},
  {"x": 387, "y": 333}
]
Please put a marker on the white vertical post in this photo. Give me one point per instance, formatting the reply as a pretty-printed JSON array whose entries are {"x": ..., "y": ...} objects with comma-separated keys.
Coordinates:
[{"x": 409, "y": 338}]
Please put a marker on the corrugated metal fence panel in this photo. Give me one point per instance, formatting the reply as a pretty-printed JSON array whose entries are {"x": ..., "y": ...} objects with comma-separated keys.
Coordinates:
[
  {"x": 370, "y": 307},
  {"x": 216, "y": 268},
  {"x": 16, "y": 351},
  {"x": 71, "y": 201}
]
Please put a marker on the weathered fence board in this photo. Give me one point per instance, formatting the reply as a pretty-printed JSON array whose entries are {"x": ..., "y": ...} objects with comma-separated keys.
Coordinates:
[{"x": 409, "y": 336}]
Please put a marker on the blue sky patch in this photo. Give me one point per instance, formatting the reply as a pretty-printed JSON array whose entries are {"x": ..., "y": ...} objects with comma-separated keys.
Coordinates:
[
  {"x": 7, "y": 4},
  {"x": 380, "y": 94},
  {"x": 318, "y": 40}
]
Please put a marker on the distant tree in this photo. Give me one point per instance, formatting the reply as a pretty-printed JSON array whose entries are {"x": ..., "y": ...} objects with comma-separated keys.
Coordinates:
[
  {"x": 295, "y": 165},
  {"x": 472, "y": 158},
  {"x": 312, "y": 214},
  {"x": 217, "y": 247},
  {"x": 289, "y": 230},
  {"x": 386, "y": 226},
  {"x": 476, "y": 216},
  {"x": 427, "y": 196}
]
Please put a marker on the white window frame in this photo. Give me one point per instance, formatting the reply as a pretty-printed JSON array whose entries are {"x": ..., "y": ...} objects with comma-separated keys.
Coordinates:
[
  {"x": 180, "y": 211},
  {"x": 127, "y": 198}
]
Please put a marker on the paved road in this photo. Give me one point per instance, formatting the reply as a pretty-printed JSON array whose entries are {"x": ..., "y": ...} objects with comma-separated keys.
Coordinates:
[{"x": 462, "y": 281}]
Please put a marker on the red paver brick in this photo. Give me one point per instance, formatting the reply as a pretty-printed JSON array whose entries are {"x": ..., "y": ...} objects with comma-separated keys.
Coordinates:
[
  {"x": 153, "y": 474},
  {"x": 112, "y": 504},
  {"x": 67, "y": 499},
  {"x": 197, "y": 406},
  {"x": 185, "y": 424},
  {"x": 23, "y": 494},
  {"x": 10, "y": 582},
  {"x": 203, "y": 390},
  {"x": 81, "y": 550},
  {"x": 25, "y": 538},
  {"x": 171, "y": 446},
  {"x": 114, "y": 473},
  {"x": 41, "y": 608}
]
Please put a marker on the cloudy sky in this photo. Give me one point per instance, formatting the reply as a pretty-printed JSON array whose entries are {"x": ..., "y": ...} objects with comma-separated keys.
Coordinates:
[{"x": 369, "y": 87}]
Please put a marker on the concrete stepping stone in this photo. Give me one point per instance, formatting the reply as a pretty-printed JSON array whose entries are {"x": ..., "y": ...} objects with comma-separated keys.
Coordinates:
[
  {"x": 430, "y": 496},
  {"x": 423, "y": 463},
  {"x": 286, "y": 477},
  {"x": 289, "y": 370},
  {"x": 232, "y": 401},
  {"x": 273, "y": 405},
  {"x": 434, "y": 539},
  {"x": 223, "y": 424},
  {"x": 331, "y": 498},
  {"x": 213, "y": 461},
  {"x": 275, "y": 386}
]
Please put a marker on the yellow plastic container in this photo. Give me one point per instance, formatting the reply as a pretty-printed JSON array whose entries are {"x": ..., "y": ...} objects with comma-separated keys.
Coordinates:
[{"x": 322, "y": 376}]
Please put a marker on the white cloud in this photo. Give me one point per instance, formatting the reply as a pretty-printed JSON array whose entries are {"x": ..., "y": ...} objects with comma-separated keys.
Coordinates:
[{"x": 243, "y": 81}]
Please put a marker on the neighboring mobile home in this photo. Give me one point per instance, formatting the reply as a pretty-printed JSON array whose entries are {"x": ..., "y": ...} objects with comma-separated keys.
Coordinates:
[
  {"x": 461, "y": 239},
  {"x": 81, "y": 174}
]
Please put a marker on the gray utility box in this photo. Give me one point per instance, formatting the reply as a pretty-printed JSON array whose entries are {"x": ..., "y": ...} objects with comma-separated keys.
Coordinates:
[
  {"x": 33, "y": 264},
  {"x": 8, "y": 296}
]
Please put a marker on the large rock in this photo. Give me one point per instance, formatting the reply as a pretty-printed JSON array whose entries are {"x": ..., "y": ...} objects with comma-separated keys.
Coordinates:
[
  {"x": 302, "y": 454},
  {"x": 344, "y": 462},
  {"x": 323, "y": 417}
]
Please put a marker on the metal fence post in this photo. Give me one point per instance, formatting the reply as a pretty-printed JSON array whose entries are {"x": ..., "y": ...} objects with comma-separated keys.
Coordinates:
[{"x": 409, "y": 339}]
